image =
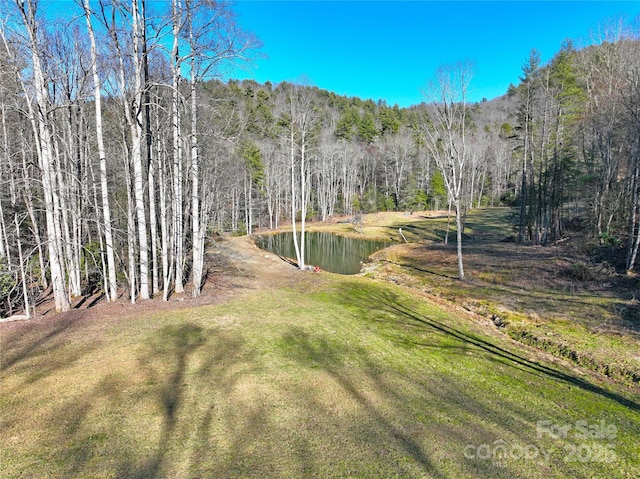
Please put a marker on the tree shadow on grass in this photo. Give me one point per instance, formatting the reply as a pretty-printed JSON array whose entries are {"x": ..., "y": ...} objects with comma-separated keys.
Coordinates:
[
  {"x": 23, "y": 341},
  {"x": 329, "y": 356},
  {"x": 40, "y": 349},
  {"x": 185, "y": 382},
  {"x": 191, "y": 371},
  {"x": 104, "y": 417},
  {"x": 421, "y": 231},
  {"x": 156, "y": 416},
  {"x": 421, "y": 269},
  {"x": 425, "y": 417},
  {"x": 392, "y": 303},
  {"x": 165, "y": 365}
]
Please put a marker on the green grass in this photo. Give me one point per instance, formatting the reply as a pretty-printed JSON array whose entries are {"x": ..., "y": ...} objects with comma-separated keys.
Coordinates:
[
  {"x": 593, "y": 323},
  {"x": 336, "y": 377}
]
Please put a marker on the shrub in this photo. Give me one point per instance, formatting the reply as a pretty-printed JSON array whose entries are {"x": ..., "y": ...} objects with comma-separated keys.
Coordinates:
[{"x": 7, "y": 282}]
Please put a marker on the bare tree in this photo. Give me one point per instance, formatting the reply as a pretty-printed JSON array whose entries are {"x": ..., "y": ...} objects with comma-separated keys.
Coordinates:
[
  {"x": 135, "y": 125},
  {"x": 111, "y": 291},
  {"x": 40, "y": 118},
  {"x": 527, "y": 93},
  {"x": 213, "y": 38},
  {"x": 302, "y": 120},
  {"x": 131, "y": 86},
  {"x": 177, "y": 24},
  {"x": 446, "y": 136},
  {"x": 630, "y": 100}
]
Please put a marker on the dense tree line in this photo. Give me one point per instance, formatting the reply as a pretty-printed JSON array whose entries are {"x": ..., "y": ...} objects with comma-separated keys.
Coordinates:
[
  {"x": 577, "y": 138},
  {"x": 122, "y": 150},
  {"x": 104, "y": 139}
]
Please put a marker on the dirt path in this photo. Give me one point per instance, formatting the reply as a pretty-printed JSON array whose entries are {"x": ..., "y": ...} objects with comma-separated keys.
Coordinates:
[
  {"x": 233, "y": 266},
  {"x": 237, "y": 263}
]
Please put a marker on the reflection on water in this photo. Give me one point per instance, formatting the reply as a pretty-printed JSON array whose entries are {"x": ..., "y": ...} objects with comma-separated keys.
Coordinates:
[{"x": 330, "y": 252}]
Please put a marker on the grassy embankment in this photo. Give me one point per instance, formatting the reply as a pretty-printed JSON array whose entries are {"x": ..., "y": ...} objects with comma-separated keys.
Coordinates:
[
  {"x": 554, "y": 298},
  {"x": 324, "y": 376}
]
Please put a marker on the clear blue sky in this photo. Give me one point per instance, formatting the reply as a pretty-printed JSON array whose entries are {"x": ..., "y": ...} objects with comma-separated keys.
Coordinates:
[{"x": 390, "y": 49}]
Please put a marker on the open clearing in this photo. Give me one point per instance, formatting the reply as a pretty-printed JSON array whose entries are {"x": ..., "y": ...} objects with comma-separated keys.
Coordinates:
[{"x": 280, "y": 373}]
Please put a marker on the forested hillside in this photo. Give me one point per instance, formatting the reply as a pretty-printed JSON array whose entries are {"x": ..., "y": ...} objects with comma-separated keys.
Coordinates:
[{"x": 122, "y": 150}]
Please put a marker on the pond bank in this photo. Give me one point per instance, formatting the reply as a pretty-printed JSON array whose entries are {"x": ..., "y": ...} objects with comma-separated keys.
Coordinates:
[{"x": 327, "y": 251}]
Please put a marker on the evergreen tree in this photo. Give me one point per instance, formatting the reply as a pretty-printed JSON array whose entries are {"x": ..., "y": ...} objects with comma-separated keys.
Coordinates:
[{"x": 367, "y": 128}]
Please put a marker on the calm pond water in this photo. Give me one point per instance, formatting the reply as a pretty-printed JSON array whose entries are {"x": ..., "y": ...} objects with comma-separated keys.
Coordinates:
[{"x": 330, "y": 252}]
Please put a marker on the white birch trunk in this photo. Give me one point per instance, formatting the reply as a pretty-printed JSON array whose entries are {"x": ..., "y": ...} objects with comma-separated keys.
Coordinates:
[
  {"x": 153, "y": 224},
  {"x": 153, "y": 220},
  {"x": 178, "y": 221},
  {"x": 165, "y": 245},
  {"x": 303, "y": 198},
  {"x": 293, "y": 196},
  {"x": 136, "y": 154},
  {"x": 197, "y": 234},
  {"x": 446, "y": 140},
  {"x": 131, "y": 237},
  {"x": 45, "y": 157},
  {"x": 65, "y": 222},
  {"x": 111, "y": 291},
  {"x": 4, "y": 243}
]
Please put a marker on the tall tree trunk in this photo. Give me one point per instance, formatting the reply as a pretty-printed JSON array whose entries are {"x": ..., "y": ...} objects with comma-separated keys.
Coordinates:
[
  {"x": 165, "y": 240},
  {"x": 634, "y": 224},
  {"x": 303, "y": 197},
  {"x": 446, "y": 139},
  {"x": 66, "y": 211},
  {"x": 111, "y": 288},
  {"x": 459, "y": 233},
  {"x": 292, "y": 154},
  {"x": 153, "y": 223},
  {"x": 197, "y": 228},
  {"x": 44, "y": 147},
  {"x": 6, "y": 160},
  {"x": 136, "y": 151},
  {"x": 178, "y": 221},
  {"x": 523, "y": 188},
  {"x": 131, "y": 237},
  {"x": 21, "y": 259}
]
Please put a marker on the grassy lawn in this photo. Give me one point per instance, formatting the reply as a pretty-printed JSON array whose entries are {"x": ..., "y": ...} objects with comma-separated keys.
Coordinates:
[
  {"x": 532, "y": 289},
  {"x": 328, "y": 376}
]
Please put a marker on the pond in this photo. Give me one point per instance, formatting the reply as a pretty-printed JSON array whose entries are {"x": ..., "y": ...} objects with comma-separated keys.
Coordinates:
[{"x": 337, "y": 254}]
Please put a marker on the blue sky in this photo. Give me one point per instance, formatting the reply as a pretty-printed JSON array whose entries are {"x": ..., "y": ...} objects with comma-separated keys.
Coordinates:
[{"x": 390, "y": 49}]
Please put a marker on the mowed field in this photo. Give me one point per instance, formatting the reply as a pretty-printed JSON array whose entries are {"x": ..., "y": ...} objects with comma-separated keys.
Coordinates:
[{"x": 296, "y": 374}]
